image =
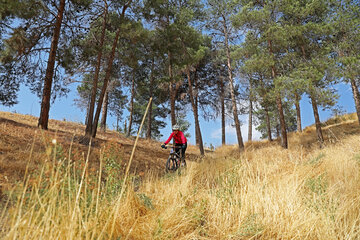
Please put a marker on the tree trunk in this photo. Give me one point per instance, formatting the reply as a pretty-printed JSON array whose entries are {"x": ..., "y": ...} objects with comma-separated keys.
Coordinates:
[
  {"x": 107, "y": 74},
  {"x": 125, "y": 126},
  {"x": 317, "y": 120},
  {"x": 148, "y": 133},
  {"x": 173, "y": 91},
  {"x": 222, "y": 99},
  {"x": 131, "y": 103},
  {"x": 196, "y": 101},
  {"x": 356, "y": 96},
  {"x": 45, "y": 103},
  {"x": 250, "y": 121},
  {"x": 171, "y": 87},
  {"x": 268, "y": 125},
  {"x": 250, "y": 113},
  {"x": 104, "y": 112},
  {"x": 232, "y": 91},
  {"x": 284, "y": 142},
  {"x": 278, "y": 134},
  {"x": 172, "y": 104},
  {"x": 87, "y": 111},
  {"x": 90, "y": 115},
  {"x": 195, "y": 111},
  {"x": 106, "y": 81},
  {"x": 117, "y": 123},
  {"x": 298, "y": 113}
]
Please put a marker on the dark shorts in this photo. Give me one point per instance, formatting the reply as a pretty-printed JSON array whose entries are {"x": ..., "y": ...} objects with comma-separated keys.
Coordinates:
[{"x": 183, "y": 150}]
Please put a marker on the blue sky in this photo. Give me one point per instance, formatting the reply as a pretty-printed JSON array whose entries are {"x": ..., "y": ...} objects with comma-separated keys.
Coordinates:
[{"x": 64, "y": 108}]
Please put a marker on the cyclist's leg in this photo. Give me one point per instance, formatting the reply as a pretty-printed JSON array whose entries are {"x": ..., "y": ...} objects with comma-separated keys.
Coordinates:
[
  {"x": 178, "y": 150},
  {"x": 183, "y": 150}
]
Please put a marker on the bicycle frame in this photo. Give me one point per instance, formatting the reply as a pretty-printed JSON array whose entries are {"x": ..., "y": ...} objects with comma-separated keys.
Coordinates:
[
  {"x": 175, "y": 159},
  {"x": 173, "y": 152}
]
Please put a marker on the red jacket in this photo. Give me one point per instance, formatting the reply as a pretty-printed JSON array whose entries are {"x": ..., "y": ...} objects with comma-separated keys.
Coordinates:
[{"x": 179, "y": 138}]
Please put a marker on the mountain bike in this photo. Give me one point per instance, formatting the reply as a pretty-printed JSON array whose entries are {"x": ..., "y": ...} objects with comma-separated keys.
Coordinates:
[{"x": 175, "y": 160}]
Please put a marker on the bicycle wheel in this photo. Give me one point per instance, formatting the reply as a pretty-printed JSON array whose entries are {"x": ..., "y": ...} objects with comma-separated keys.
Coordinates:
[
  {"x": 171, "y": 165},
  {"x": 183, "y": 163}
]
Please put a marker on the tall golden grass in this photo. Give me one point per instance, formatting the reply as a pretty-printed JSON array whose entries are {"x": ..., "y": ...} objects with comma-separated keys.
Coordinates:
[{"x": 264, "y": 193}]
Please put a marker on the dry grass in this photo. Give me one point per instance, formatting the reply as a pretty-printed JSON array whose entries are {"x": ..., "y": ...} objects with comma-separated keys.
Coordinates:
[
  {"x": 22, "y": 141},
  {"x": 265, "y": 192}
]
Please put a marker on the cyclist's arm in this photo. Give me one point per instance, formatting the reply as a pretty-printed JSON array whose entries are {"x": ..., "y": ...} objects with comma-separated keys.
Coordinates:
[{"x": 167, "y": 141}]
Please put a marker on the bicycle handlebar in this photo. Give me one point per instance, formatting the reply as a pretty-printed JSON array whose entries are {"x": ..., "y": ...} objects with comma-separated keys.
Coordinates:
[{"x": 172, "y": 146}]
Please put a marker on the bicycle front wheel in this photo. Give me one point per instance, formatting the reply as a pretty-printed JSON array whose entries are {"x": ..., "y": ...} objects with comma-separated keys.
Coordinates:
[{"x": 171, "y": 165}]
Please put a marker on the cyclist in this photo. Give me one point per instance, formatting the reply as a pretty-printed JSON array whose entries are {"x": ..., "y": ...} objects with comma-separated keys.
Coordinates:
[{"x": 180, "y": 140}]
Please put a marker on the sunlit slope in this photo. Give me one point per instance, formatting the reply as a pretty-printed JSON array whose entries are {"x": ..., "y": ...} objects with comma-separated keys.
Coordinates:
[
  {"x": 21, "y": 142},
  {"x": 266, "y": 192}
]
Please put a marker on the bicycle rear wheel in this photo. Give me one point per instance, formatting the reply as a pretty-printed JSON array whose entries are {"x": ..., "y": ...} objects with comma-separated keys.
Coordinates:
[{"x": 171, "y": 165}]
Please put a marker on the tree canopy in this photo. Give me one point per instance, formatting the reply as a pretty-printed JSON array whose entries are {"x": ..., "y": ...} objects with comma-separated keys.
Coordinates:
[{"x": 213, "y": 58}]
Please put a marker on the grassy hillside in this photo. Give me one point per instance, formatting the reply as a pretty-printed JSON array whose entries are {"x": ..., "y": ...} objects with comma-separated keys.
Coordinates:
[
  {"x": 266, "y": 192},
  {"x": 21, "y": 142}
]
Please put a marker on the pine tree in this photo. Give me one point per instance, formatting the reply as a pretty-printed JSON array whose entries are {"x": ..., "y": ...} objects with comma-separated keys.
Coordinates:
[
  {"x": 37, "y": 27},
  {"x": 219, "y": 23},
  {"x": 9, "y": 83},
  {"x": 168, "y": 17},
  {"x": 123, "y": 7},
  {"x": 193, "y": 52},
  {"x": 345, "y": 21},
  {"x": 100, "y": 45},
  {"x": 310, "y": 34}
]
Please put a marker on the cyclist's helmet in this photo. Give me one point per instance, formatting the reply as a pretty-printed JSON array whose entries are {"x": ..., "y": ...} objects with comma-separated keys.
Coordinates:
[{"x": 175, "y": 127}]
